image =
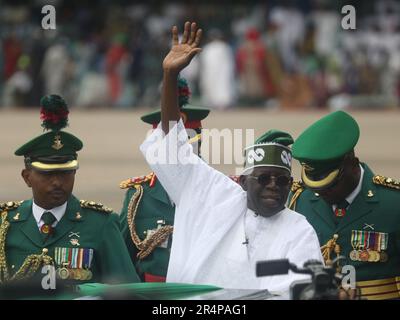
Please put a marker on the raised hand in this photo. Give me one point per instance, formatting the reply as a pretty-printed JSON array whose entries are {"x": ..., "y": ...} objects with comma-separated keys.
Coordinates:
[{"x": 182, "y": 53}]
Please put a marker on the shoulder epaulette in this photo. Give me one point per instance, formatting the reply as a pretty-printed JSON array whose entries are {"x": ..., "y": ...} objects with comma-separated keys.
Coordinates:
[
  {"x": 386, "y": 182},
  {"x": 296, "y": 186},
  {"x": 11, "y": 205},
  {"x": 234, "y": 178},
  {"x": 132, "y": 182},
  {"x": 95, "y": 206}
]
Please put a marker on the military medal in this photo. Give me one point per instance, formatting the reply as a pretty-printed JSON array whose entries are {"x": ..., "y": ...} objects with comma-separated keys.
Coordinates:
[
  {"x": 78, "y": 274},
  {"x": 383, "y": 257},
  {"x": 371, "y": 245},
  {"x": 354, "y": 255},
  {"x": 72, "y": 273},
  {"x": 364, "y": 255},
  {"x": 75, "y": 261},
  {"x": 355, "y": 243},
  {"x": 63, "y": 273},
  {"x": 384, "y": 238},
  {"x": 89, "y": 274},
  {"x": 371, "y": 256},
  {"x": 378, "y": 256},
  {"x": 364, "y": 245},
  {"x": 82, "y": 274}
]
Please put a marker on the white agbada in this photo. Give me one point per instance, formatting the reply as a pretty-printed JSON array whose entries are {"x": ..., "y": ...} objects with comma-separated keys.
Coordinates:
[{"x": 212, "y": 222}]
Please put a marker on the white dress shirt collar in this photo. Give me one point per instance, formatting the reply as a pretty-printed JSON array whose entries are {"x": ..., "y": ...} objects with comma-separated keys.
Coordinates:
[
  {"x": 350, "y": 198},
  {"x": 58, "y": 213}
]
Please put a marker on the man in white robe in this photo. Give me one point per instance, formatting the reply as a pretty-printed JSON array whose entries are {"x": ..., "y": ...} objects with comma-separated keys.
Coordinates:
[{"x": 221, "y": 228}]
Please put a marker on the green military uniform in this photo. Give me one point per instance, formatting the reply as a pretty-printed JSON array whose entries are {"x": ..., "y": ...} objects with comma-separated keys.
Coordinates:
[
  {"x": 88, "y": 237},
  {"x": 146, "y": 219},
  {"x": 86, "y": 244},
  {"x": 147, "y": 214},
  {"x": 368, "y": 234}
]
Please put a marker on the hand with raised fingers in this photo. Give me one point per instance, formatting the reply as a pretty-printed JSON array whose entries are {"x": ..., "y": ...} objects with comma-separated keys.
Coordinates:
[{"x": 182, "y": 53}]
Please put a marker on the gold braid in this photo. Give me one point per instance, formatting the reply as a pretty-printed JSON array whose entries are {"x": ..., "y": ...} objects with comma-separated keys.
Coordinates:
[
  {"x": 150, "y": 243},
  {"x": 296, "y": 189},
  {"x": 31, "y": 264},
  {"x": 386, "y": 182},
  {"x": 328, "y": 248},
  {"x": 3, "y": 233}
]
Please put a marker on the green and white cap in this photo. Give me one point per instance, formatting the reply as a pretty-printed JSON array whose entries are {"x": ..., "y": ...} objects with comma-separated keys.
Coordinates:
[{"x": 269, "y": 150}]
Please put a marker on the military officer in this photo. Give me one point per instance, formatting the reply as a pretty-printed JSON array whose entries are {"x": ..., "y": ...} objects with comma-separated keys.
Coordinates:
[
  {"x": 353, "y": 210},
  {"x": 147, "y": 215},
  {"x": 81, "y": 239}
]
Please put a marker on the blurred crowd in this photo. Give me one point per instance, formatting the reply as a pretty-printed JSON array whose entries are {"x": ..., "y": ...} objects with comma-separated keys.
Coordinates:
[{"x": 272, "y": 54}]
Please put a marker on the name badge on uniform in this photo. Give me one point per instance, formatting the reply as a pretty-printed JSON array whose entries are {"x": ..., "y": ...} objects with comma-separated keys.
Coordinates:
[
  {"x": 74, "y": 263},
  {"x": 369, "y": 246}
]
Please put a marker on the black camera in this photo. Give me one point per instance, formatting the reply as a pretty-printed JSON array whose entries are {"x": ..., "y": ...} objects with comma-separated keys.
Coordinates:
[{"x": 324, "y": 284}]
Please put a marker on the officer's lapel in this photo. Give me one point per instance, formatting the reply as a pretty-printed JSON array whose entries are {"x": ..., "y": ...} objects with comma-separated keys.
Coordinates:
[
  {"x": 158, "y": 192},
  {"x": 71, "y": 217},
  {"x": 365, "y": 201},
  {"x": 323, "y": 210},
  {"x": 29, "y": 225}
]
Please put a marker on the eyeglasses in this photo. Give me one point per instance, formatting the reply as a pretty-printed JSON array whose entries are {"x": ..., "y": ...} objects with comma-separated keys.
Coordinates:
[{"x": 265, "y": 179}]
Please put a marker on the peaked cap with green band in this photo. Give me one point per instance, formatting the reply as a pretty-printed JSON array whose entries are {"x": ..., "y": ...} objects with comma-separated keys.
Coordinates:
[
  {"x": 321, "y": 148},
  {"x": 270, "y": 150},
  {"x": 54, "y": 150},
  {"x": 191, "y": 115}
]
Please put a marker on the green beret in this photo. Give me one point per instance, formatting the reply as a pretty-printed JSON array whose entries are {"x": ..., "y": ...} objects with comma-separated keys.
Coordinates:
[
  {"x": 54, "y": 150},
  {"x": 322, "y": 147},
  {"x": 270, "y": 150},
  {"x": 191, "y": 115}
]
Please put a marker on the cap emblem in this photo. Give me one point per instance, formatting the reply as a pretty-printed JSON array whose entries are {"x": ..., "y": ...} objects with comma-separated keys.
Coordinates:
[{"x": 57, "y": 145}]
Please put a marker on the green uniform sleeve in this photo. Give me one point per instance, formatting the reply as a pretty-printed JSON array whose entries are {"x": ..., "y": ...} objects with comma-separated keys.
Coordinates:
[{"x": 116, "y": 265}]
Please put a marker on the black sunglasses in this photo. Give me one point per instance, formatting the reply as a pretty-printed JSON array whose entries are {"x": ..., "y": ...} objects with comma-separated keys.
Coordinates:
[{"x": 265, "y": 179}]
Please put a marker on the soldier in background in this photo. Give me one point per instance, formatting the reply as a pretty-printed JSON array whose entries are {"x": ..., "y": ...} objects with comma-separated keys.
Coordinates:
[
  {"x": 353, "y": 210},
  {"x": 147, "y": 215},
  {"x": 81, "y": 239}
]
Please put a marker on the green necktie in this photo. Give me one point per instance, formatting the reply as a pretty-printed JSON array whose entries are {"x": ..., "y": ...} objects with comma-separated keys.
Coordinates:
[{"x": 46, "y": 229}]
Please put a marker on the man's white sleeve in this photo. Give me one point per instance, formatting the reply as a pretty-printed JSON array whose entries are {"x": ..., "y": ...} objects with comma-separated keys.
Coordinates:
[{"x": 181, "y": 172}]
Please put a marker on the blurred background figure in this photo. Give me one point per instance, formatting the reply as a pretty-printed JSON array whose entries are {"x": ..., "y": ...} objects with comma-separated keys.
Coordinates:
[
  {"x": 284, "y": 55},
  {"x": 255, "y": 83},
  {"x": 117, "y": 62},
  {"x": 18, "y": 86},
  {"x": 217, "y": 72},
  {"x": 56, "y": 67}
]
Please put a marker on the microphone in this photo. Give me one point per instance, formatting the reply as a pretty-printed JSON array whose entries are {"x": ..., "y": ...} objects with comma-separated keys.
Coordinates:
[{"x": 272, "y": 267}]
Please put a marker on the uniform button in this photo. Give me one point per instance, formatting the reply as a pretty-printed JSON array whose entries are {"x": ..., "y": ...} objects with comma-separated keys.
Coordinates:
[{"x": 13, "y": 266}]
